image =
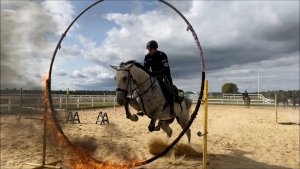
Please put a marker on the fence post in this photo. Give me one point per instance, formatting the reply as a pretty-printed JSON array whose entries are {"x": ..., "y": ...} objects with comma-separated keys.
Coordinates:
[
  {"x": 38, "y": 102},
  {"x": 78, "y": 100},
  {"x": 92, "y": 101},
  {"x": 67, "y": 104},
  {"x": 9, "y": 102},
  {"x": 20, "y": 105},
  {"x": 114, "y": 103},
  {"x": 60, "y": 101},
  {"x": 104, "y": 99}
]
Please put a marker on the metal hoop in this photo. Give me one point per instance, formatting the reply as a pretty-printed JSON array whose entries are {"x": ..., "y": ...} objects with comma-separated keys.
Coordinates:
[{"x": 48, "y": 96}]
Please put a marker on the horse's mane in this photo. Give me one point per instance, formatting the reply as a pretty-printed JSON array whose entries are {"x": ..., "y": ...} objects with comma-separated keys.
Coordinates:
[{"x": 133, "y": 62}]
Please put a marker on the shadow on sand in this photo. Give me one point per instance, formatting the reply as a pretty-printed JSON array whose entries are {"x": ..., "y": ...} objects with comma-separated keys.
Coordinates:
[
  {"x": 237, "y": 160},
  {"x": 289, "y": 123},
  {"x": 234, "y": 160}
]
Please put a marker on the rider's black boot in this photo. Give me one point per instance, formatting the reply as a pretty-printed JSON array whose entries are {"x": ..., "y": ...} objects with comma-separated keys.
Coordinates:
[
  {"x": 172, "y": 113},
  {"x": 171, "y": 104},
  {"x": 140, "y": 113}
]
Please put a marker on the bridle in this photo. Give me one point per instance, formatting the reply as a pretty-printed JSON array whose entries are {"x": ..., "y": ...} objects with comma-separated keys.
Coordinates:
[
  {"x": 128, "y": 81},
  {"x": 133, "y": 85}
]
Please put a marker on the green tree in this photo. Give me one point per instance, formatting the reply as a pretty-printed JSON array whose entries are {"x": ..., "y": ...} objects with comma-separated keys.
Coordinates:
[{"x": 230, "y": 88}]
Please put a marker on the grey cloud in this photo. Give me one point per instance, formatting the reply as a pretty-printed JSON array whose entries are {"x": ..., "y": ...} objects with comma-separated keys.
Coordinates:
[
  {"x": 70, "y": 51},
  {"x": 60, "y": 73},
  {"x": 272, "y": 74},
  {"x": 184, "y": 67},
  {"x": 25, "y": 33},
  {"x": 9, "y": 77},
  {"x": 104, "y": 84},
  {"x": 78, "y": 75}
]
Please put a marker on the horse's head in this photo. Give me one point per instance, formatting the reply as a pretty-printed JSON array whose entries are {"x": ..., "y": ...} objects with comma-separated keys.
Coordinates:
[
  {"x": 130, "y": 76},
  {"x": 123, "y": 80}
]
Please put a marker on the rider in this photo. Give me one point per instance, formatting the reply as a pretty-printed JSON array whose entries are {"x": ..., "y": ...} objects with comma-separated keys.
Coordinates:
[
  {"x": 157, "y": 62},
  {"x": 245, "y": 93}
]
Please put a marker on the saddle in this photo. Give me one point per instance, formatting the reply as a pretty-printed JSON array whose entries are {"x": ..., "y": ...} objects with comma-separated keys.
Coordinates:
[
  {"x": 178, "y": 98},
  {"x": 178, "y": 94}
]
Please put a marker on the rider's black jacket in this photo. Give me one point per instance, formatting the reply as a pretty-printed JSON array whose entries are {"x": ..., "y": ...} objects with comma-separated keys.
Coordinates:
[{"x": 158, "y": 65}]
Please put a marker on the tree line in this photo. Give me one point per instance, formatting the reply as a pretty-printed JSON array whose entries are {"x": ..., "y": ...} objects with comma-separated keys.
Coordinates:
[
  {"x": 233, "y": 88},
  {"x": 226, "y": 88}
]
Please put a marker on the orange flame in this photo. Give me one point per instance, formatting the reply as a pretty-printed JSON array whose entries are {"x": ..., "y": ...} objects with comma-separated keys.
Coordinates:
[{"x": 79, "y": 159}]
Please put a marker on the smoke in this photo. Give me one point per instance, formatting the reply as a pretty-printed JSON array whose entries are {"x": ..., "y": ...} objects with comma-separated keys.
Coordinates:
[
  {"x": 156, "y": 145},
  {"x": 28, "y": 31},
  {"x": 87, "y": 143}
]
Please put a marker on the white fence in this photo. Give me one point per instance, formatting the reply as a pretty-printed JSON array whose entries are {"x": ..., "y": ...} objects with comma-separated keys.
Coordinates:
[
  {"x": 256, "y": 99},
  {"x": 14, "y": 102}
]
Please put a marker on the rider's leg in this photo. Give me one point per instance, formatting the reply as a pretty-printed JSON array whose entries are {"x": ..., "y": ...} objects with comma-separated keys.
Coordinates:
[
  {"x": 171, "y": 100},
  {"x": 168, "y": 94}
]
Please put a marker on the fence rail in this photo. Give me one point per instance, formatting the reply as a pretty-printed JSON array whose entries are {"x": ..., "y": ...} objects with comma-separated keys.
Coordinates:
[
  {"x": 256, "y": 98},
  {"x": 14, "y": 102}
]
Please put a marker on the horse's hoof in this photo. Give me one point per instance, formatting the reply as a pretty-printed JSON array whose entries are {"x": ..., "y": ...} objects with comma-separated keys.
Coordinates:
[
  {"x": 134, "y": 118},
  {"x": 141, "y": 113},
  {"x": 157, "y": 128},
  {"x": 151, "y": 128}
]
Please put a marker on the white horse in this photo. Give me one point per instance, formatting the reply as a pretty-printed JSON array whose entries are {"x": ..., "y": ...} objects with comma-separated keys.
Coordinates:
[{"x": 146, "y": 95}]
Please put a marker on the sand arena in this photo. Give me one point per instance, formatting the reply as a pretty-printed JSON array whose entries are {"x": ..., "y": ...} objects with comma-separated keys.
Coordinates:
[{"x": 238, "y": 138}]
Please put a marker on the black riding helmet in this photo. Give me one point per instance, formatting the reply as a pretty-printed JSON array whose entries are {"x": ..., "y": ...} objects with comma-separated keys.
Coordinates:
[{"x": 152, "y": 45}]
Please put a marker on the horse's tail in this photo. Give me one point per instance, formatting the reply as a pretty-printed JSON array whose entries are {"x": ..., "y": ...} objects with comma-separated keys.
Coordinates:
[{"x": 188, "y": 103}]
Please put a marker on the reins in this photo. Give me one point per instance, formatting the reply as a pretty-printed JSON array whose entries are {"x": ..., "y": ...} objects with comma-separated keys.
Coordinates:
[{"x": 132, "y": 90}]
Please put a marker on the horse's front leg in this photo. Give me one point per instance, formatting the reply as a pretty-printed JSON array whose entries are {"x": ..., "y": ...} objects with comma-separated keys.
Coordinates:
[
  {"x": 151, "y": 126},
  {"x": 132, "y": 117}
]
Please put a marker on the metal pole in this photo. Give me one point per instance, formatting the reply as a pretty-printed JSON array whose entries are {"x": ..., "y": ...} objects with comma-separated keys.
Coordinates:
[
  {"x": 44, "y": 165},
  {"x": 205, "y": 124},
  {"x": 258, "y": 85},
  {"x": 44, "y": 135}
]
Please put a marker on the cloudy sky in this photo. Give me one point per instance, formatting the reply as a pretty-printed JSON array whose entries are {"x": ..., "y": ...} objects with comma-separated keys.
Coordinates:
[{"x": 254, "y": 44}]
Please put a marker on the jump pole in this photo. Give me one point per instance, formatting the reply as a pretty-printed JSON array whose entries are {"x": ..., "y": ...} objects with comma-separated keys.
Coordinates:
[
  {"x": 205, "y": 125},
  {"x": 276, "y": 114}
]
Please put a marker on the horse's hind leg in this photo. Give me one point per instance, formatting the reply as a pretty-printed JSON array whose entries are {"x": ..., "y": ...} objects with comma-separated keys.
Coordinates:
[
  {"x": 183, "y": 124},
  {"x": 166, "y": 128},
  {"x": 188, "y": 133}
]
